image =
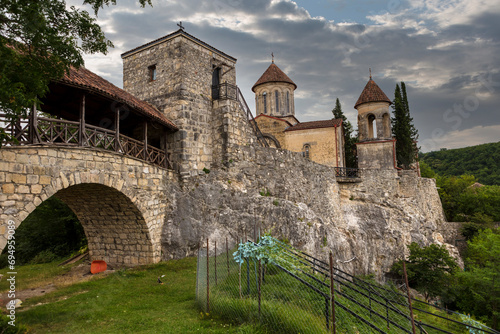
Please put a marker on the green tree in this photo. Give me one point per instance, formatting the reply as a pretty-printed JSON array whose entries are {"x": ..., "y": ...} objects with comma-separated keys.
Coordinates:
[
  {"x": 349, "y": 139},
  {"x": 51, "y": 231},
  {"x": 429, "y": 269},
  {"x": 403, "y": 129},
  {"x": 482, "y": 161},
  {"x": 39, "y": 41},
  {"x": 479, "y": 285},
  {"x": 426, "y": 170}
]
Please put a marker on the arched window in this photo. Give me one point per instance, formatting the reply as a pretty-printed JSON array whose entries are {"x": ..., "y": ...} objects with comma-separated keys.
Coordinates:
[
  {"x": 372, "y": 126},
  {"x": 277, "y": 98},
  {"x": 264, "y": 100},
  {"x": 287, "y": 103},
  {"x": 306, "y": 151}
]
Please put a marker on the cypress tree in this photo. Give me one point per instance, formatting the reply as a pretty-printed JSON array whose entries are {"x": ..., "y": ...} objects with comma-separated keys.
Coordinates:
[
  {"x": 349, "y": 139},
  {"x": 403, "y": 129}
]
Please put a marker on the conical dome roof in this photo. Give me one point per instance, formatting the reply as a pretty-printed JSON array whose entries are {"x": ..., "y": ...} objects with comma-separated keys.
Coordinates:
[
  {"x": 273, "y": 74},
  {"x": 372, "y": 93}
]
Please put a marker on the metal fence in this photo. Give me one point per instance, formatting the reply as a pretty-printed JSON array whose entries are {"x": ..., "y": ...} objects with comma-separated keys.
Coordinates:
[{"x": 295, "y": 296}]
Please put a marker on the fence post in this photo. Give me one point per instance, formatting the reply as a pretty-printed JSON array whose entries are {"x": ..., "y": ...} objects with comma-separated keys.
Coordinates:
[
  {"x": 260, "y": 282},
  {"x": 208, "y": 280},
  {"x": 248, "y": 276},
  {"x": 227, "y": 258},
  {"x": 332, "y": 294},
  {"x": 215, "y": 262},
  {"x": 409, "y": 297}
]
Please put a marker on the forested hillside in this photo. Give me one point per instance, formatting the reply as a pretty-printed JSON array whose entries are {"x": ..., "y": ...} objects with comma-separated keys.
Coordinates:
[{"x": 481, "y": 161}]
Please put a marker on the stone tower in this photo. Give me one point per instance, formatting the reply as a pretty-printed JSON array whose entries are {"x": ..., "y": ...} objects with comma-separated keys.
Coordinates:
[
  {"x": 274, "y": 93},
  {"x": 376, "y": 147},
  {"x": 194, "y": 85}
]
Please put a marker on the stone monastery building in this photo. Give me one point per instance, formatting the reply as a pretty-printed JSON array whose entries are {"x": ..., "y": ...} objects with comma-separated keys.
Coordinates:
[
  {"x": 176, "y": 156},
  {"x": 194, "y": 85}
]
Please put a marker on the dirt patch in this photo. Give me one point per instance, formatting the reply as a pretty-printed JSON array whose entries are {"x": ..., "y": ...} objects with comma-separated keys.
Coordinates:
[
  {"x": 28, "y": 293},
  {"x": 76, "y": 274}
]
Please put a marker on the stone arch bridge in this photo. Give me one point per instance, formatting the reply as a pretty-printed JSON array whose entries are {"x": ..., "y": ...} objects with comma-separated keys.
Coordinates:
[{"x": 120, "y": 200}]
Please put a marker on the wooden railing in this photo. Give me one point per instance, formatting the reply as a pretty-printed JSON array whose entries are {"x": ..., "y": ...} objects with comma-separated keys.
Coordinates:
[{"x": 62, "y": 132}]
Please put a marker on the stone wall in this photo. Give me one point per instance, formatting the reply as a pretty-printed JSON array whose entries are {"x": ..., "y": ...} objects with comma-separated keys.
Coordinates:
[
  {"x": 368, "y": 225},
  {"x": 120, "y": 201},
  {"x": 133, "y": 212},
  {"x": 376, "y": 154},
  {"x": 274, "y": 127},
  {"x": 182, "y": 91},
  {"x": 323, "y": 143},
  {"x": 231, "y": 131}
]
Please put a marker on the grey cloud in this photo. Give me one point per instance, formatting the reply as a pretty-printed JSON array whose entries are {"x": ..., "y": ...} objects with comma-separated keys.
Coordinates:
[{"x": 328, "y": 61}]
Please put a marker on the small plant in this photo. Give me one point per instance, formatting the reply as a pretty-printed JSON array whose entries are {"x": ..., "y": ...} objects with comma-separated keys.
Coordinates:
[
  {"x": 309, "y": 224},
  {"x": 276, "y": 202},
  {"x": 325, "y": 241},
  {"x": 229, "y": 181},
  {"x": 265, "y": 192},
  {"x": 351, "y": 198},
  {"x": 206, "y": 170},
  {"x": 301, "y": 219}
]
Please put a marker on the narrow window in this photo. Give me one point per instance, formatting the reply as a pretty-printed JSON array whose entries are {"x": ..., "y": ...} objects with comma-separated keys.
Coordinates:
[
  {"x": 372, "y": 127},
  {"x": 264, "y": 95},
  {"x": 276, "y": 94},
  {"x": 152, "y": 72},
  {"x": 287, "y": 103},
  {"x": 305, "y": 151}
]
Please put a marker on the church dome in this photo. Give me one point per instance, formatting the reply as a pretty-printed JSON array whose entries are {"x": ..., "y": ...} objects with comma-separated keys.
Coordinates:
[
  {"x": 372, "y": 93},
  {"x": 273, "y": 74}
]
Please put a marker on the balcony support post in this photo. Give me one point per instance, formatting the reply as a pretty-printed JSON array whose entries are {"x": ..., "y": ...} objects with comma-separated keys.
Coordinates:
[{"x": 81, "y": 134}]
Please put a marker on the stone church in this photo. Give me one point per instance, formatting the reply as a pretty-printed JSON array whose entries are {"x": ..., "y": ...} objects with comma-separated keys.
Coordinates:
[
  {"x": 319, "y": 141},
  {"x": 194, "y": 85}
]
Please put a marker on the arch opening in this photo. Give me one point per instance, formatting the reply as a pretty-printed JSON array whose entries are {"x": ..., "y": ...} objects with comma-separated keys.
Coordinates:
[
  {"x": 50, "y": 232},
  {"x": 372, "y": 126},
  {"x": 115, "y": 228}
]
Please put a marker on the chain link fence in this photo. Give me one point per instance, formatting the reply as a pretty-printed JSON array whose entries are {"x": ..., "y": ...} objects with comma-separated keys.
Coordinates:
[{"x": 292, "y": 294}]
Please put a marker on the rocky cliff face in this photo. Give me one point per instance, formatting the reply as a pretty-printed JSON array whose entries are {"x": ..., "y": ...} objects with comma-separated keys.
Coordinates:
[{"x": 366, "y": 224}]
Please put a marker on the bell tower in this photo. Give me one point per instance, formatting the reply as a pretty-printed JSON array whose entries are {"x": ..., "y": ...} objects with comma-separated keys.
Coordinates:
[
  {"x": 274, "y": 93},
  {"x": 376, "y": 147}
]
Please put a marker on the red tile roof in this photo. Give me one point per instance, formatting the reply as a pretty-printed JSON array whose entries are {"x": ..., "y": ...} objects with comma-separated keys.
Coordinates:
[
  {"x": 372, "y": 93},
  {"x": 273, "y": 74},
  {"x": 316, "y": 124},
  {"x": 83, "y": 78}
]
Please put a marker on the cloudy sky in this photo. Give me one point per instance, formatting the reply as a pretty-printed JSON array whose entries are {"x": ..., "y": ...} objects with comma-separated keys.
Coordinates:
[{"x": 446, "y": 51}]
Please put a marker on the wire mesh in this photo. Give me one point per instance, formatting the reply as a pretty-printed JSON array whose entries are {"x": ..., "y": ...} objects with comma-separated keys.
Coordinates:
[{"x": 293, "y": 295}]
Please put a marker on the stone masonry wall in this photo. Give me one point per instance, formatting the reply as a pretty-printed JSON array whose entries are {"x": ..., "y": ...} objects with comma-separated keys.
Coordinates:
[
  {"x": 120, "y": 201},
  {"x": 231, "y": 130},
  {"x": 182, "y": 91},
  {"x": 368, "y": 225}
]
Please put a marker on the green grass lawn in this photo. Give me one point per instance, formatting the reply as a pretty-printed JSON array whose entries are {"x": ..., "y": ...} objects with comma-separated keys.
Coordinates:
[{"x": 126, "y": 301}]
